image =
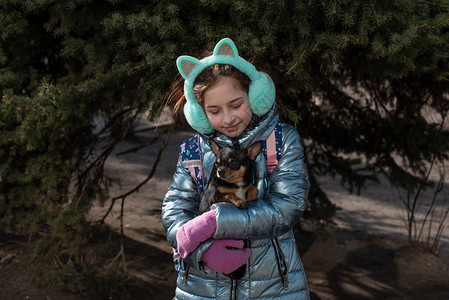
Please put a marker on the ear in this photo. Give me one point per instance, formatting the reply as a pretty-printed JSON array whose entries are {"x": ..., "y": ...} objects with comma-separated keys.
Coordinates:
[
  {"x": 186, "y": 64},
  {"x": 214, "y": 146},
  {"x": 226, "y": 47},
  {"x": 254, "y": 150}
]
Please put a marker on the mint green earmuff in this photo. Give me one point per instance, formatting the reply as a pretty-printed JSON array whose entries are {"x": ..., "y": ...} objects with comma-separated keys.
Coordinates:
[{"x": 261, "y": 93}]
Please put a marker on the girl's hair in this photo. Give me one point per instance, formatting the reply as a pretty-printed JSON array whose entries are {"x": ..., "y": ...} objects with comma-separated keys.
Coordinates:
[{"x": 206, "y": 79}]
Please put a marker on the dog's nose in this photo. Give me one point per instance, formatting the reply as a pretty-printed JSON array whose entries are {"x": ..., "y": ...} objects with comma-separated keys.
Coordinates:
[{"x": 221, "y": 172}]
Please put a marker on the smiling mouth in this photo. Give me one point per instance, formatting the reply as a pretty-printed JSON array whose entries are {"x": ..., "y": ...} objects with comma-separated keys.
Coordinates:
[{"x": 232, "y": 128}]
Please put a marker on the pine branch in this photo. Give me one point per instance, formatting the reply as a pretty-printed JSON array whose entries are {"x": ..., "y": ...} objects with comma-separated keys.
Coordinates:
[
  {"x": 123, "y": 197},
  {"x": 147, "y": 144},
  {"x": 434, "y": 3},
  {"x": 150, "y": 175}
]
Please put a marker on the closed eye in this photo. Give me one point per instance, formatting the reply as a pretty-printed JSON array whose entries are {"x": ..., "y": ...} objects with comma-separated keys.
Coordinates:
[{"x": 213, "y": 112}]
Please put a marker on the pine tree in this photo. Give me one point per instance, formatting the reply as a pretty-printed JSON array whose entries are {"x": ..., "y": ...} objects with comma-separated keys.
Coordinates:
[{"x": 353, "y": 76}]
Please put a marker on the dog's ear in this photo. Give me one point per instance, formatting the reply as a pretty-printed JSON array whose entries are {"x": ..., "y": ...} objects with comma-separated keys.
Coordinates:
[
  {"x": 254, "y": 150},
  {"x": 214, "y": 146}
]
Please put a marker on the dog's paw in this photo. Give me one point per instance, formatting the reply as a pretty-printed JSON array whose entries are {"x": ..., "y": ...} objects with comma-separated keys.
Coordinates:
[{"x": 240, "y": 203}]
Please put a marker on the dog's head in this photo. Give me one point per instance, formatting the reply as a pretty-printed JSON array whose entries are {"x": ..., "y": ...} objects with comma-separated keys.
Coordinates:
[{"x": 233, "y": 164}]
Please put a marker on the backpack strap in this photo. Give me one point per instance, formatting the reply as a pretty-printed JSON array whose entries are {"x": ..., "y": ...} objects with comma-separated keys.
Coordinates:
[
  {"x": 192, "y": 160},
  {"x": 273, "y": 147}
]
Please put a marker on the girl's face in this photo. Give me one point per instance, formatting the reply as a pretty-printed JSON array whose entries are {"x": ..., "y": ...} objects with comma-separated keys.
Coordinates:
[{"x": 227, "y": 107}]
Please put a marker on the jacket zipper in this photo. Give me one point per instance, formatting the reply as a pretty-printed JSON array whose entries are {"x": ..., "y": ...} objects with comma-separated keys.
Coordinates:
[
  {"x": 233, "y": 289},
  {"x": 186, "y": 274},
  {"x": 280, "y": 259}
]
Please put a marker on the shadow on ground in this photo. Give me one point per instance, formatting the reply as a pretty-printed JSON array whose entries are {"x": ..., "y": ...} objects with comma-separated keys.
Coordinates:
[
  {"x": 153, "y": 267},
  {"x": 359, "y": 265},
  {"x": 345, "y": 265}
]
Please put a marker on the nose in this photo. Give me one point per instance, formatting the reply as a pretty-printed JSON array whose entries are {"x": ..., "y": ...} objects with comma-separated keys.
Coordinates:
[
  {"x": 221, "y": 172},
  {"x": 228, "y": 117}
]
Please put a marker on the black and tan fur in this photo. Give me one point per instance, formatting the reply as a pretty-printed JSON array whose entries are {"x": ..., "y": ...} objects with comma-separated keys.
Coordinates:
[
  {"x": 231, "y": 181},
  {"x": 232, "y": 176}
]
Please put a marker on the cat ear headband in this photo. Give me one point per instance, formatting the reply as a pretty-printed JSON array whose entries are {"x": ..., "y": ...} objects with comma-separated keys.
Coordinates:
[{"x": 261, "y": 93}]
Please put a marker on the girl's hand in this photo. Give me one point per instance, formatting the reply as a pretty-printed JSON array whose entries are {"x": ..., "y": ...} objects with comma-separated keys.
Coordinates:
[
  {"x": 226, "y": 256},
  {"x": 195, "y": 231}
]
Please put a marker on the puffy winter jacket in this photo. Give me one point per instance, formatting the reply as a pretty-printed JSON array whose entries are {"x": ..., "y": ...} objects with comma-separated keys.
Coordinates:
[{"x": 274, "y": 270}]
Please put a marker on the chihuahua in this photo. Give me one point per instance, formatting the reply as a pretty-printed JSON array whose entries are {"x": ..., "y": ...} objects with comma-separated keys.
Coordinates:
[
  {"x": 231, "y": 181},
  {"x": 231, "y": 178}
]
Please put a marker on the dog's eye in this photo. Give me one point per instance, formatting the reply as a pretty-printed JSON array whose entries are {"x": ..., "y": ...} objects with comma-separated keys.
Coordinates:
[{"x": 233, "y": 164}]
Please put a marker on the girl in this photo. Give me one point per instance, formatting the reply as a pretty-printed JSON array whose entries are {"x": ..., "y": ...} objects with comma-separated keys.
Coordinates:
[{"x": 227, "y": 99}]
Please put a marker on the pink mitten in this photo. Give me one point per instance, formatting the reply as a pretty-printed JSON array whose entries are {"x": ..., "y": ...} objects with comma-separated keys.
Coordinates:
[
  {"x": 195, "y": 231},
  {"x": 224, "y": 260}
]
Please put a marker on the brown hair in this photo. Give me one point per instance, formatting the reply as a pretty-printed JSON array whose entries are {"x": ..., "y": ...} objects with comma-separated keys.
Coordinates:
[{"x": 206, "y": 79}]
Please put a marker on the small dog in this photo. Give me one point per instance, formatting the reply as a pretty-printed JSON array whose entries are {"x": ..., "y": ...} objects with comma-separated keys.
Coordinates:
[
  {"x": 231, "y": 181},
  {"x": 231, "y": 178}
]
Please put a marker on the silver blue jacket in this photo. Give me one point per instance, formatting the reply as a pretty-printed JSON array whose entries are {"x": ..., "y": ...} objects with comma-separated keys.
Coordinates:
[{"x": 274, "y": 270}]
